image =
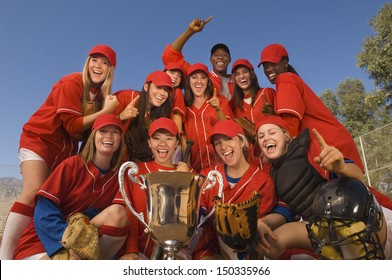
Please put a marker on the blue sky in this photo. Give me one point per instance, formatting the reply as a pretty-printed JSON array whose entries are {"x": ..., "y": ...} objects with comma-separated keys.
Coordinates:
[{"x": 43, "y": 40}]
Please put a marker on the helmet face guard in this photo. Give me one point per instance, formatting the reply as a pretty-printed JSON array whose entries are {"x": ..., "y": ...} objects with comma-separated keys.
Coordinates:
[
  {"x": 346, "y": 222},
  {"x": 339, "y": 239}
]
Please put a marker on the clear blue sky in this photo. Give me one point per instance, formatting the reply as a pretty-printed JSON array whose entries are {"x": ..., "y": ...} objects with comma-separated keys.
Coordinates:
[{"x": 43, "y": 40}]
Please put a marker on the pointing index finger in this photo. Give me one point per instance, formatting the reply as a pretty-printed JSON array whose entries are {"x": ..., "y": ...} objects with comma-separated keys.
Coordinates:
[
  {"x": 208, "y": 19},
  {"x": 135, "y": 101},
  {"x": 319, "y": 138}
]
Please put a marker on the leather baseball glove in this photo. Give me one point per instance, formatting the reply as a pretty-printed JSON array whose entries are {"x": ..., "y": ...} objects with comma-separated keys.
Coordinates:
[
  {"x": 80, "y": 236},
  {"x": 248, "y": 127},
  {"x": 236, "y": 224}
]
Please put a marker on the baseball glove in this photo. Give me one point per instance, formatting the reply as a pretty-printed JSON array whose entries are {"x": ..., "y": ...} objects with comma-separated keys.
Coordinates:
[
  {"x": 248, "y": 127},
  {"x": 236, "y": 224},
  {"x": 81, "y": 236}
]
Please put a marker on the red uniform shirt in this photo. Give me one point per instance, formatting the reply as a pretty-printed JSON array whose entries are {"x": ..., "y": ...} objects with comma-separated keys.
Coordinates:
[
  {"x": 178, "y": 103},
  {"x": 172, "y": 55},
  {"x": 125, "y": 97},
  {"x": 254, "y": 180},
  {"x": 295, "y": 97},
  {"x": 53, "y": 131},
  {"x": 198, "y": 124},
  {"x": 73, "y": 187},
  {"x": 254, "y": 112}
]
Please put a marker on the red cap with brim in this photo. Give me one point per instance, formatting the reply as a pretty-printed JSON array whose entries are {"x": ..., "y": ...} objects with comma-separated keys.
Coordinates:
[
  {"x": 160, "y": 79},
  {"x": 226, "y": 127},
  {"x": 242, "y": 62},
  {"x": 272, "y": 53},
  {"x": 107, "y": 119},
  {"x": 106, "y": 51},
  {"x": 198, "y": 66},
  {"x": 175, "y": 66},
  {"x": 163, "y": 123},
  {"x": 272, "y": 120}
]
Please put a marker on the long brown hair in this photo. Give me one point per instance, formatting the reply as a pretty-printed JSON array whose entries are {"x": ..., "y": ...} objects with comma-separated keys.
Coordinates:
[
  {"x": 238, "y": 93},
  {"x": 188, "y": 94}
]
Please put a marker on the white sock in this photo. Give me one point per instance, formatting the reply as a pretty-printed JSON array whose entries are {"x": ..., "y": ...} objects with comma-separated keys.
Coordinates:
[{"x": 14, "y": 228}]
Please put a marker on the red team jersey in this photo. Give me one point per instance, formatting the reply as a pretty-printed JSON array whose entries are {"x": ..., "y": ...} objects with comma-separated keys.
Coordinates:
[
  {"x": 74, "y": 187},
  {"x": 54, "y": 130},
  {"x": 254, "y": 180},
  {"x": 198, "y": 125},
  {"x": 178, "y": 103},
  {"x": 125, "y": 97},
  {"x": 295, "y": 97},
  {"x": 254, "y": 112}
]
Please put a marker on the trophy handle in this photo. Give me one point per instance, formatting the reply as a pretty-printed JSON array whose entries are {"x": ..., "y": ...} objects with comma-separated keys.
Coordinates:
[
  {"x": 212, "y": 177},
  {"x": 133, "y": 169}
]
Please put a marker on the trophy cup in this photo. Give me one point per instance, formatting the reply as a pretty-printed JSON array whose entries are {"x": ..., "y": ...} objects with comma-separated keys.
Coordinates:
[{"x": 173, "y": 200}]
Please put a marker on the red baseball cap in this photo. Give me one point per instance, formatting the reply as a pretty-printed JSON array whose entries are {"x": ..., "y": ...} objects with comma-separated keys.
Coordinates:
[
  {"x": 107, "y": 119},
  {"x": 160, "y": 79},
  {"x": 242, "y": 62},
  {"x": 163, "y": 123},
  {"x": 272, "y": 53},
  {"x": 226, "y": 127},
  {"x": 198, "y": 66},
  {"x": 106, "y": 51},
  {"x": 175, "y": 66},
  {"x": 272, "y": 120}
]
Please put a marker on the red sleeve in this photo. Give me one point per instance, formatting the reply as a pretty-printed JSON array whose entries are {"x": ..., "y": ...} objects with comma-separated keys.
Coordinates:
[
  {"x": 268, "y": 196},
  {"x": 171, "y": 55},
  {"x": 73, "y": 124},
  {"x": 289, "y": 95},
  {"x": 178, "y": 103},
  {"x": 67, "y": 95},
  {"x": 293, "y": 123}
]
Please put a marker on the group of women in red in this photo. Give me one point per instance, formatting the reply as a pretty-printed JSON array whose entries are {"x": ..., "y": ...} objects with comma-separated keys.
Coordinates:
[{"x": 151, "y": 127}]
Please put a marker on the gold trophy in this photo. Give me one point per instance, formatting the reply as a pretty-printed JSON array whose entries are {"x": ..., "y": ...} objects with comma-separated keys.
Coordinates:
[{"x": 173, "y": 200}]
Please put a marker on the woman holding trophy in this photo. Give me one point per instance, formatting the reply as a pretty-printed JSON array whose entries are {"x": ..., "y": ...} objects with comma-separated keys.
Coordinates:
[
  {"x": 247, "y": 191},
  {"x": 163, "y": 141}
]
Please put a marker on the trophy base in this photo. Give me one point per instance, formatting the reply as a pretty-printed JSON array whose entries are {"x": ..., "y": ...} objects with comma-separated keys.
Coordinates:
[{"x": 170, "y": 249}]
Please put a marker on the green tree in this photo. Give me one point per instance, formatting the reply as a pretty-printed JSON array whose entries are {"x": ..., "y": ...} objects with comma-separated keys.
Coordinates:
[
  {"x": 376, "y": 54},
  {"x": 330, "y": 100},
  {"x": 355, "y": 114}
]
